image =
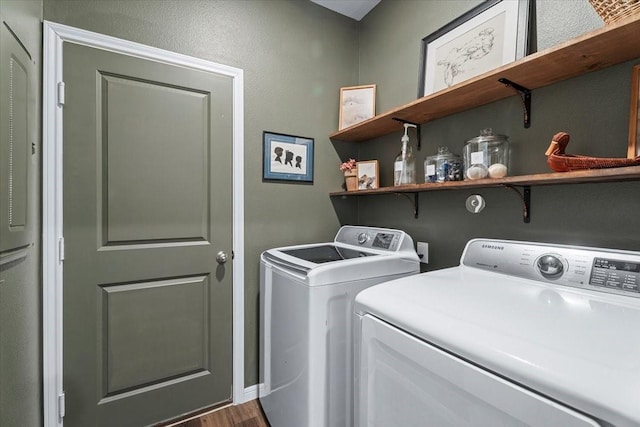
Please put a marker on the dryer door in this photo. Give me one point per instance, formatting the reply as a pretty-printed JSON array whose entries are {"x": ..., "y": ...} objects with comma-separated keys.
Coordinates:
[{"x": 404, "y": 381}]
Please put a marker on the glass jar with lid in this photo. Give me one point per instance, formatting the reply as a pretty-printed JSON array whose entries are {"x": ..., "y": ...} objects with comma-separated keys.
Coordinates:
[
  {"x": 444, "y": 166},
  {"x": 486, "y": 156}
]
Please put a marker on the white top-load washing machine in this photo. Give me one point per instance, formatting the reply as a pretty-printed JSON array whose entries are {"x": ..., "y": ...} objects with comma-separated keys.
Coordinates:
[
  {"x": 306, "y": 312},
  {"x": 520, "y": 334}
]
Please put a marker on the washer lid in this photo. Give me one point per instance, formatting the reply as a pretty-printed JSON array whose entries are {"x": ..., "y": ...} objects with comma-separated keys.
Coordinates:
[
  {"x": 325, "y": 253},
  {"x": 579, "y": 347},
  {"x": 362, "y": 265},
  {"x": 350, "y": 257}
]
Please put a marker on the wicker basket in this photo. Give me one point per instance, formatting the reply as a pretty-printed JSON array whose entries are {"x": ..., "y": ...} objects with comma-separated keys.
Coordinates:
[{"x": 614, "y": 10}]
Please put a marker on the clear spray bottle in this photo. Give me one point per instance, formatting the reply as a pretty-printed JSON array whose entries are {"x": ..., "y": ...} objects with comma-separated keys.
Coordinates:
[{"x": 404, "y": 167}]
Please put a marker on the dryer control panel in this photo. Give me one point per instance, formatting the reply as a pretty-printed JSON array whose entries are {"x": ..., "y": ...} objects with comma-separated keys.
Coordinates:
[
  {"x": 608, "y": 270},
  {"x": 616, "y": 274}
]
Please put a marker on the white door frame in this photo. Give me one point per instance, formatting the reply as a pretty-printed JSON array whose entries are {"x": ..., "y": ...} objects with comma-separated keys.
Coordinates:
[{"x": 52, "y": 232}]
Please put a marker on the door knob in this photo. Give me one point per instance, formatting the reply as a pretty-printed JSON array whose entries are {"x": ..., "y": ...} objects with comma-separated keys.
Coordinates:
[{"x": 222, "y": 257}]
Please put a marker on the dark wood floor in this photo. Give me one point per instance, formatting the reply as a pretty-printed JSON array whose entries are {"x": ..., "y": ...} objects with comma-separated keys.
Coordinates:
[{"x": 246, "y": 415}]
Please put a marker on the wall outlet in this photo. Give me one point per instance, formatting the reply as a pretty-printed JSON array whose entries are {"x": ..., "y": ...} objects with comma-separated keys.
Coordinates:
[{"x": 423, "y": 252}]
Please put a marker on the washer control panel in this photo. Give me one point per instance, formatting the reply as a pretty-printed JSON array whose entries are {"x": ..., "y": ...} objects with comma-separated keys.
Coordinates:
[
  {"x": 584, "y": 267},
  {"x": 384, "y": 239}
]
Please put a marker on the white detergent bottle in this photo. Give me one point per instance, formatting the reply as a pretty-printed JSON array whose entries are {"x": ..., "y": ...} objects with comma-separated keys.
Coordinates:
[{"x": 404, "y": 167}]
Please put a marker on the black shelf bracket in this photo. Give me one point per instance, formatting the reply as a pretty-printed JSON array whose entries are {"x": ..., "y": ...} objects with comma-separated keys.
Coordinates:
[
  {"x": 525, "y": 198},
  {"x": 414, "y": 202},
  {"x": 525, "y": 96},
  {"x": 417, "y": 125}
]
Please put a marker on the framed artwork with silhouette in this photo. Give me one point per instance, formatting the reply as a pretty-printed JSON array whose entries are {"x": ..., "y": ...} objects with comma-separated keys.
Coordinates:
[{"x": 287, "y": 158}]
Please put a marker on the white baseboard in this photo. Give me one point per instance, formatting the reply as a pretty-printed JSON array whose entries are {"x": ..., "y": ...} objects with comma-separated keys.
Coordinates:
[{"x": 250, "y": 393}]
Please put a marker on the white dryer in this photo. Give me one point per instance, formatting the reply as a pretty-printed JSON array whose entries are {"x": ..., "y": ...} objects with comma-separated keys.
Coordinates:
[
  {"x": 306, "y": 313},
  {"x": 520, "y": 334}
]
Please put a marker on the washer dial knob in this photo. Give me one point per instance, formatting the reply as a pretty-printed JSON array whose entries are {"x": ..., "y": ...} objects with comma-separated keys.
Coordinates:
[
  {"x": 363, "y": 238},
  {"x": 550, "y": 266}
]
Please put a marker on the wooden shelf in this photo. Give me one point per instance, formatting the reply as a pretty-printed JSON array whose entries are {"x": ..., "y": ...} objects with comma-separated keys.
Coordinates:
[
  {"x": 631, "y": 173},
  {"x": 613, "y": 44}
]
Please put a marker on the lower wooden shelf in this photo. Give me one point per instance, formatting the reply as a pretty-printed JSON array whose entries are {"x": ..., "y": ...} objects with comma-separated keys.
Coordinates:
[{"x": 631, "y": 173}]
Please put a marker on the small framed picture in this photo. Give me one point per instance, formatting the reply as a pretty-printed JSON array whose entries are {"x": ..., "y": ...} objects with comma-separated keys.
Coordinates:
[
  {"x": 287, "y": 157},
  {"x": 367, "y": 172},
  {"x": 357, "y": 104},
  {"x": 634, "y": 116},
  {"x": 490, "y": 35}
]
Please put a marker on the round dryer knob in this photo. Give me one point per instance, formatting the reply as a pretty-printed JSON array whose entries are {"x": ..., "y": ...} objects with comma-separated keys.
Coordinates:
[{"x": 550, "y": 266}]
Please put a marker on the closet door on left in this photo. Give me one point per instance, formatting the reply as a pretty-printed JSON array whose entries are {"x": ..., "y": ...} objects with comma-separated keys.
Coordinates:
[{"x": 16, "y": 139}]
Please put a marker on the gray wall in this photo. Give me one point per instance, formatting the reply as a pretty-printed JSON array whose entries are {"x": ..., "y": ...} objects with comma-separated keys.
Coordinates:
[
  {"x": 295, "y": 56},
  {"x": 593, "y": 108},
  {"x": 20, "y": 291}
]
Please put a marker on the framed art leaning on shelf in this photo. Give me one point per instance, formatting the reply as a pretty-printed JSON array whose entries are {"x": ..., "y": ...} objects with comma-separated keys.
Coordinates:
[
  {"x": 488, "y": 36},
  {"x": 368, "y": 175},
  {"x": 357, "y": 104}
]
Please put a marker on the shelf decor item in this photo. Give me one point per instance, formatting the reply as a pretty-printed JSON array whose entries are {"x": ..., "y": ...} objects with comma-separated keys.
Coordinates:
[
  {"x": 357, "y": 104},
  {"x": 368, "y": 175},
  {"x": 443, "y": 166},
  {"x": 486, "y": 156},
  {"x": 614, "y": 10},
  {"x": 349, "y": 168},
  {"x": 561, "y": 162},
  {"x": 287, "y": 158},
  {"x": 634, "y": 116},
  {"x": 490, "y": 35}
]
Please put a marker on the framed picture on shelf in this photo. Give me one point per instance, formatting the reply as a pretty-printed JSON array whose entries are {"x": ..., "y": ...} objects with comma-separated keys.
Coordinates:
[
  {"x": 490, "y": 35},
  {"x": 367, "y": 172},
  {"x": 634, "y": 116},
  {"x": 357, "y": 104},
  {"x": 287, "y": 157}
]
